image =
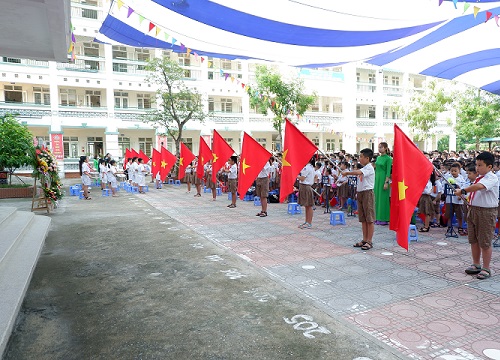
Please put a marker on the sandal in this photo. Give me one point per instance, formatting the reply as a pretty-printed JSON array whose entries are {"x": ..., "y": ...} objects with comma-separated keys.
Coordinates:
[
  {"x": 231, "y": 206},
  {"x": 461, "y": 231},
  {"x": 258, "y": 214},
  {"x": 424, "y": 229},
  {"x": 197, "y": 195},
  {"x": 366, "y": 246},
  {"x": 473, "y": 269},
  {"x": 360, "y": 244},
  {"x": 434, "y": 225},
  {"x": 263, "y": 214},
  {"x": 88, "y": 198},
  {"x": 484, "y": 274},
  {"x": 305, "y": 226}
]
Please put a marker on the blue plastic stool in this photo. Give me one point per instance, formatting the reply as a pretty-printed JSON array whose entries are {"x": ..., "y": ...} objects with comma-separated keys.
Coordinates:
[
  {"x": 81, "y": 196},
  {"x": 294, "y": 208},
  {"x": 134, "y": 190},
  {"x": 412, "y": 233},
  {"x": 74, "y": 191},
  {"x": 292, "y": 198},
  {"x": 171, "y": 181},
  {"x": 218, "y": 191},
  {"x": 206, "y": 190},
  {"x": 177, "y": 183},
  {"x": 78, "y": 186},
  {"x": 96, "y": 182},
  {"x": 230, "y": 196},
  {"x": 105, "y": 192},
  {"x": 256, "y": 201},
  {"x": 248, "y": 198},
  {"x": 145, "y": 188},
  {"x": 337, "y": 218}
]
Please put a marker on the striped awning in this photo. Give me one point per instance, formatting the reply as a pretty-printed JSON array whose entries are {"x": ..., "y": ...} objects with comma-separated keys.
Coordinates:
[{"x": 454, "y": 40}]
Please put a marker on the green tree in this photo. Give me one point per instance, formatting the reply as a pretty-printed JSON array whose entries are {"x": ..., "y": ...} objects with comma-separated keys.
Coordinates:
[
  {"x": 422, "y": 111},
  {"x": 282, "y": 98},
  {"x": 462, "y": 142},
  {"x": 16, "y": 145},
  {"x": 178, "y": 103},
  {"x": 478, "y": 115}
]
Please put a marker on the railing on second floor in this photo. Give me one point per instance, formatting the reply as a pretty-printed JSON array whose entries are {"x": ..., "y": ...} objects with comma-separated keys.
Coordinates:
[
  {"x": 225, "y": 118},
  {"x": 25, "y": 109}
]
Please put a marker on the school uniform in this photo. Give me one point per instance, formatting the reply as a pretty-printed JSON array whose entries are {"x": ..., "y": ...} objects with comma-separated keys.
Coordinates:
[
  {"x": 141, "y": 175},
  {"x": 103, "y": 172},
  {"x": 342, "y": 187},
  {"x": 365, "y": 195},
  {"x": 232, "y": 178},
  {"x": 306, "y": 196},
  {"x": 112, "y": 176},
  {"x": 482, "y": 216},
  {"x": 262, "y": 181},
  {"x": 456, "y": 202},
  {"x": 425, "y": 205},
  {"x": 86, "y": 178}
]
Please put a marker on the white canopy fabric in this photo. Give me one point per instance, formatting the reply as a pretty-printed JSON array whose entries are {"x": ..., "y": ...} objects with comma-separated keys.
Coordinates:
[{"x": 454, "y": 40}]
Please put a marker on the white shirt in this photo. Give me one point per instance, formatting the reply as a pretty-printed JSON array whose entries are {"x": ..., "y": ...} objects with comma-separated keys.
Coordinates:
[
  {"x": 233, "y": 172},
  {"x": 439, "y": 189},
  {"x": 459, "y": 180},
  {"x": 318, "y": 175},
  {"x": 487, "y": 198},
  {"x": 428, "y": 188},
  {"x": 265, "y": 171},
  {"x": 85, "y": 169},
  {"x": 308, "y": 172},
  {"x": 367, "y": 180}
]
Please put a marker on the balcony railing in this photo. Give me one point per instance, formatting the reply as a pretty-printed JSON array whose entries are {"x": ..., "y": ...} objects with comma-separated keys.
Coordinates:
[
  {"x": 83, "y": 11},
  {"x": 225, "y": 118},
  {"x": 79, "y": 112},
  {"x": 323, "y": 118},
  {"x": 25, "y": 109},
  {"x": 366, "y": 123},
  {"x": 393, "y": 90},
  {"x": 130, "y": 114},
  {"x": 23, "y": 62},
  {"x": 87, "y": 64},
  {"x": 367, "y": 88}
]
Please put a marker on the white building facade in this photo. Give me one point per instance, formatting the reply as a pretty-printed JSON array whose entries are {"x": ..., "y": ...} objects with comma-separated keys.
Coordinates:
[{"x": 93, "y": 105}]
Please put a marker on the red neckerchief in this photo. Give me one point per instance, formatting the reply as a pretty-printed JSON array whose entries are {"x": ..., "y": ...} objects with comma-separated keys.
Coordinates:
[{"x": 472, "y": 194}]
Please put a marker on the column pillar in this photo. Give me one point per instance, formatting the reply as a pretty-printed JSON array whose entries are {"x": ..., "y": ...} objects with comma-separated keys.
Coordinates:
[
  {"x": 111, "y": 138},
  {"x": 349, "y": 109}
]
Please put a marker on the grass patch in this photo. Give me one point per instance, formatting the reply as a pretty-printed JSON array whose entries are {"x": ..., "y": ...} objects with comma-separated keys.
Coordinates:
[{"x": 7, "y": 186}]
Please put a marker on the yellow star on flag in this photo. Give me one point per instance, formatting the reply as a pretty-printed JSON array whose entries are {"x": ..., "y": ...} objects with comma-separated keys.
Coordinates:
[
  {"x": 154, "y": 163},
  {"x": 163, "y": 164},
  {"x": 215, "y": 157},
  {"x": 202, "y": 160},
  {"x": 284, "y": 162},
  {"x": 245, "y": 166},
  {"x": 402, "y": 190},
  {"x": 181, "y": 160}
]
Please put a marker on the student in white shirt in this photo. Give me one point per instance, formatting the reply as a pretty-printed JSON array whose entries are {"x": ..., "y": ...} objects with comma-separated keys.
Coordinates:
[
  {"x": 306, "y": 197},
  {"x": 112, "y": 177},
  {"x": 262, "y": 187},
  {"x": 232, "y": 179}
]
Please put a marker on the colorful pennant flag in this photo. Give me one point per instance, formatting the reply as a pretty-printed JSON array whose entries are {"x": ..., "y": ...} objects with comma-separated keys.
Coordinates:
[
  {"x": 130, "y": 11},
  {"x": 185, "y": 158},
  {"x": 297, "y": 151},
  {"x": 406, "y": 187},
  {"x": 489, "y": 14},
  {"x": 221, "y": 152},
  {"x": 204, "y": 156},
  {"x": 253, "y": 158},
  {"x": 476, "y": 11},
  {"x": 167, "y": 161}
]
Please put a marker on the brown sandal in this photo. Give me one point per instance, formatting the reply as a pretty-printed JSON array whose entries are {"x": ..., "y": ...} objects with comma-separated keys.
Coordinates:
[
  {"x": 366, "y": 246},
  {"x": 360, "y": 244}
]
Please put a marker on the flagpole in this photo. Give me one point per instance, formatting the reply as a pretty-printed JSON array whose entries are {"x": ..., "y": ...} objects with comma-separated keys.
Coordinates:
[
  {"x": 329, "y": 158},
  {"x": 466, "y": 202}
]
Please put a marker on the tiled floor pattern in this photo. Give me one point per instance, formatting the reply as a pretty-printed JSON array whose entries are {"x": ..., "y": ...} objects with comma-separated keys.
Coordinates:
[{"x": 420, "y": 302}]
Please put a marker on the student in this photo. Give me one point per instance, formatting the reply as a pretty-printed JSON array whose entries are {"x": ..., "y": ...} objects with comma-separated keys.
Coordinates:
[
  {"x": 133, "y": 171},
  {"x": 84, "y": 168},
  {"x": 437, "y": 191},
  {"x": 342, "y": 186},
  {"x": 103, "y": 173},
  {"x": 196, "y": 179},
  {"x": 188, "y": 177},
  {"x": 306, "y": 196},
  {"x": 128, "y": 171},
  {"x": 456, "y": 202},
  {"x": 112, "y": 177},
  {"x": 210, "y": 184},
  {"x": 232, "y": 178},
  {"x": 425, "y": 205},
  {"x": 366, "y": 198},
  {"x": 141, "y": 175},
  {"x": 262, "y": 187},
  {"x": 481, "y": 220}
]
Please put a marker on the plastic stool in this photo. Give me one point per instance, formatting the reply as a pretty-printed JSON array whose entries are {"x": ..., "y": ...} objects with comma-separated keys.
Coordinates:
[
  {"x": 292, "y": 198},
  {"x": 171, "y": 181},
  {"x": 134, "y": 190},
  {"x": 177, "y": 183},
  {"x": 229, "y": 196},
  {"x": 337, "y": 218},
  {"x": 256, "y": 201},
  {"x": 78, "y": 186},
  {"x": 73, "y": 191},
  {"x": 145, "y": 188},
  {"x": 206, "y": 190},
  {"x": 294, "y": 208},
  {"x": 81, "y": 195},
  {"x": 412, "y": 233},
  {"x": 248, "y": 198},
  {"x": 105, "y": 192},
  {"x": 218, "y": 191}
]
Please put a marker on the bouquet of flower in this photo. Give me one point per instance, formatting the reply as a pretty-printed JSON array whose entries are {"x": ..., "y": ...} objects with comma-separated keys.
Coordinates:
[{"x": 45, "y": 169}]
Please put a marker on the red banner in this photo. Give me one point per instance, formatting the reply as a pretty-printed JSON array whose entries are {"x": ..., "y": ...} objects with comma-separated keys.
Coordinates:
[{"x": 56, "y": 141}]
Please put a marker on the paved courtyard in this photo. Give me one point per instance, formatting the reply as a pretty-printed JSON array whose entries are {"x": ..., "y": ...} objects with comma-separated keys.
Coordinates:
[{"x": 420, "y": 302}]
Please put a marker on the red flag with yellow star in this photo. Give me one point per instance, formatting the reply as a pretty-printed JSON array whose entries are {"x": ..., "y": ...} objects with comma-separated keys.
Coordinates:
[
  {"x": 185, "y": 158},
  {"x": 128, "y": 154},
  {"x": 204, "y": 156},
  {"x": 252, "y": 160},
  {"x": 297, "y": 151},
  {"x": 167, "y": 161},
  {"x": 221, "y": 152},
  {"x": 155, "y": 164},
  {"x": 411, "y": 171}
]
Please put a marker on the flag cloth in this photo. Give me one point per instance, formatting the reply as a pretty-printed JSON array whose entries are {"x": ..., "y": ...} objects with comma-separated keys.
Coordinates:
[
  {"x": 134, "y": 154},
  {"x": 143, "y": 156},
  {"x": 297, "y": 151},
  {"x": 167, "y": 161},
  {"x": 155, "y": 164},
  {"x": 185, "y": 158},
  {"x": 128, "y": 154},
  {"x": 253, "y": 158},
  {"x": 221, "y": 152},
  {"x": 411, "y": 171},
  {"x": 204, "y": 156}
]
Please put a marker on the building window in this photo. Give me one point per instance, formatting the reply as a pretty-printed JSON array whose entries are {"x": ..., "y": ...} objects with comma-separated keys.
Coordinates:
[
  {"x": 225, "y": 64},
  {"x": 119, "y": 52},
  {"x": 386, "y": 112},
  {"x": 119, "y": 67},
  {"x": 315, "y": 107},
  {"x": 121, "y": 99},
  {"x": 68, "y": 97},
  {"x": 123, "y": 144},
  {"x": 41, "y": 95},
  {"x": 188, "y": 142},
  {"x": 226, "y": 105},
  {"x": 146, "y": 144},
  {"x": 91, "y": 49},
  {"x": 229, "y": 141},
  {"x": 395, "y": 80},
  {"x": 184, "y": 60},
  {"x": 187, "y": 74},
  {"x": 262, "y": 141},
  {"x": 144, "y": 101},
  {"x": 358, "y": 111},
  {"x": 142, "y": 54},
  {"x": 337, "y": 108},
  {"x": 386, "y": 79},
  {"x": 330, "y": 144},
  {"x": 93, "y": 98},
  {"x": 11, "y": 60},
  {"x": 371, "y": 112},
  {"x": 358, "y": 77},
  {"x": 211, "y": 106},
  {"x": 13, "y": 93},
  {"x": 70, "y": 145},
  {"x": 371, "y": 78}
]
